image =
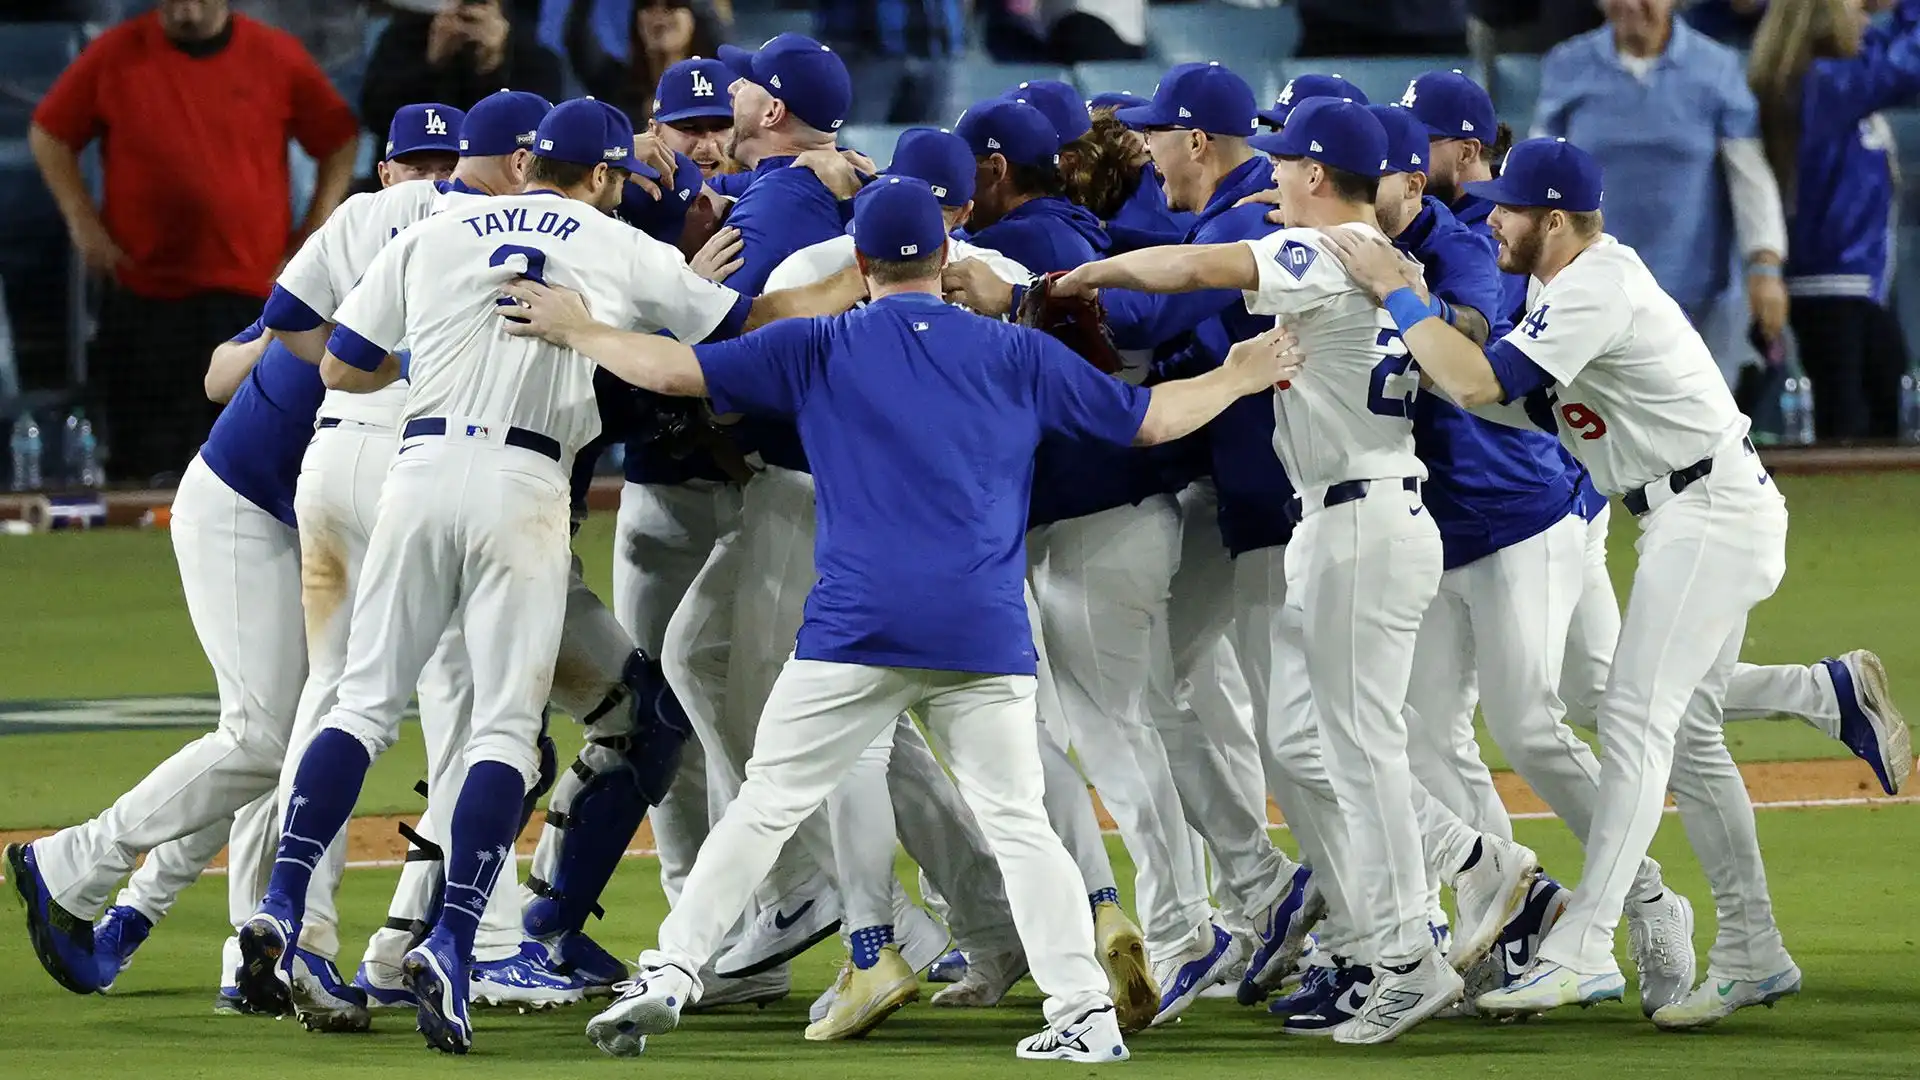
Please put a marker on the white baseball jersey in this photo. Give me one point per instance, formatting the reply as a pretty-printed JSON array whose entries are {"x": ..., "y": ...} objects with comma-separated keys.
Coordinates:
[
  {"x": 437, "y": 286},
  {"x": 1638, "y": 395},
  {"x": 331, "y": 262},
  {"x": 1349, "y": 413},
  {"x": 818, "y": 262}
]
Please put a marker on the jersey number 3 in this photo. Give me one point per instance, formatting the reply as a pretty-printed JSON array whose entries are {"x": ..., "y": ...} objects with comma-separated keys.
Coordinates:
[
  {"x": 1384, "y": 397},
  {"x": 535, "y": 271}
]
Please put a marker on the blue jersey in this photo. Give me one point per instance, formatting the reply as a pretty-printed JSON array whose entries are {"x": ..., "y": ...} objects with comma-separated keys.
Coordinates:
[
  {"x": 1045, "y": 234},
  {"x": 1489, "y": 486},
  {"x": 257, "y": 441},
  {"x": 730, "y": 185},
  {"x": 1144, "y": 219},
  {"x": 1840, "y": 228},
  {"x": 1253, "y": 485},
  {"x": 921, "y": 420},
  {"x": 782, "y": 210}
]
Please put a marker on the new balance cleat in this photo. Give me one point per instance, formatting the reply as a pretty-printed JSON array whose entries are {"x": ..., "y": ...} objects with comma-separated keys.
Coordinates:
[{"x": 1400, "y": 998}]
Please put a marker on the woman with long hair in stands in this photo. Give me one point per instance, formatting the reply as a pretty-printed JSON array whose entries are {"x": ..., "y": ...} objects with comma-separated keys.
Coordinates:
[
  {"x": 662, "y": 33},
  {"x": 1821, "y": 74}
]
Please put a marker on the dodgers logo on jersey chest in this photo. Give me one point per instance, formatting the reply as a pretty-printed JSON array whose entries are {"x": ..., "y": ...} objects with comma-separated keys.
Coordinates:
[{"x": 1296, "y": 258}]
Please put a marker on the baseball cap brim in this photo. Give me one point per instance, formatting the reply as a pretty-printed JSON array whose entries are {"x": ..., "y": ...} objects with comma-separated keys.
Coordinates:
[
  {"x": 427, "y": 146},
  {"x": 1145, "y": 116},
  {"x": 1269, "y": 143},
  {"x": 1499, "y": 193},
  {"x": 1272, "y": 116},
  {"x": 719, "y": 110}
]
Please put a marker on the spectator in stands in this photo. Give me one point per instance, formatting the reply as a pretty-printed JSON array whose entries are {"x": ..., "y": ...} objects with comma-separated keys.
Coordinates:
[
  {"x": 1821, "y": 77},
  {"x": 1730, "y": 22},
  {"x": 1533, "y": 26},
  {"x": 1667, "y": 112},
  {"x": 898, "y": 53},
  {"x": 1383, "y": 27},
  {"x": 662, "y": 33},
  {"x": 456, "y": 51},
  {"x": 193, "y": 107}
]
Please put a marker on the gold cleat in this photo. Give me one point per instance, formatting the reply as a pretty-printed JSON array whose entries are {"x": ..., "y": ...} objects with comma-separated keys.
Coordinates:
[
  {"x": 864, "y": 998},
  {"x": 1122, "y": 952}
]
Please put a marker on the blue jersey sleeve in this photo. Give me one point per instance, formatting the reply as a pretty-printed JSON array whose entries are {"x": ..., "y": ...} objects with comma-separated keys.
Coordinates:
[
  {"x": 765, "y": 373},
  {"x": 784, "y": 211},
  {"x": 1839, "y": 92},
  {"x": 1519, "y": 376},
  {"x": 1462, "y": 271},
  {"x": 730, "y": 185},
  {"x": 251, "y": 333},
  {"x": 285, "y": 311},
  {"x": 1074, "y": 400}
]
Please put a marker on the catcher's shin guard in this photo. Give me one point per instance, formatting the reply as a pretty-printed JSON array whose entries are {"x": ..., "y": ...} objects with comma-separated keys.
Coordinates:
[{"x": 598, "y": 804}]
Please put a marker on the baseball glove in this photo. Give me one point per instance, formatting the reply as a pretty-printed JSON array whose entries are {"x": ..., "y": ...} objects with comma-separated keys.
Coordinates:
[
  {"x": 685, "y": 426},
  {"x": 1078, "y": 322}
]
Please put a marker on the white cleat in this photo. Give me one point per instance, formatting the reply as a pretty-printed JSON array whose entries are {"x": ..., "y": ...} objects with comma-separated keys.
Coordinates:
[
  {"x": 989, "y": 976},
  {"x": 1870, "y": 723},
  {"x": 1400, "y": 999},
  {"x": 1206, "y": 960},
  {"x": 1660, "y": 936},
  {"x": 802, "y": 919},
  {"x": 1546, "y": 986},
  {"x": 1092, "y": 1038},
  {"x": 1488, "y": 896},
  {"x": 649, "y": 1005},
  {"x": 1717, "y": 998}
]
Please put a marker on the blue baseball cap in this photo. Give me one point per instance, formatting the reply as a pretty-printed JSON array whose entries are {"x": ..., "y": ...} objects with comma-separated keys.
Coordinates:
[
  {"x": 501, "y": 123},
  {"x": 1452, "y": 106},
  {"x": 1206, "y": 97},
  {"x": 808, "y": 76},
  {"x": 1302, "y": 87},
  {"x": 897, "y": 218},
  {"x": 1331, "y": 131},
  {"x": 1060, "y": 103},
  {"x": 1013, "y": 129},
  {"x": 694, "y": 89},
  {"x": 1550, "y": 173},
  {"x": 429, "y": 125},
  {"x": 1406, "y": 138},
  {"x": 585, "y": 132},
  {"x": 1116, "y": 99},
  {"x": 665, "y": 217},
  {"x": 940, "y": 158}
]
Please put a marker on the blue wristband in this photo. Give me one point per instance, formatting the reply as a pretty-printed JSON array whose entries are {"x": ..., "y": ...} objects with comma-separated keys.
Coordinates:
[
  {"x": 1407, "y": 309},
  {"x": 1445, "y": 311}
]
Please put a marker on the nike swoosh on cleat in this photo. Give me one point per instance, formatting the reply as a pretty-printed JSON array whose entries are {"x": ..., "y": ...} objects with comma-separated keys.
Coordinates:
[
  {"x": 783, "y": 921},
  {"x": 1725, "y": 989}
]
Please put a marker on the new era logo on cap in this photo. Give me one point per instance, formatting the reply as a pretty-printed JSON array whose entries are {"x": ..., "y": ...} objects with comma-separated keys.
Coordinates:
[
  {"x": 1316, "y": 147},
  {"x": 776, "y": 82},
  {"x": 993, "y": 144},
  {"x": 1184, "y": 114},
  {"x": 1552, "y": 194}
]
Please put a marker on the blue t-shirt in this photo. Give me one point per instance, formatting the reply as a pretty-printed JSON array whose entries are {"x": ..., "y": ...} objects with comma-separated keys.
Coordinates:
[
  {"x": 921, "y": 421},
  {"x": 258, "y": 440}
]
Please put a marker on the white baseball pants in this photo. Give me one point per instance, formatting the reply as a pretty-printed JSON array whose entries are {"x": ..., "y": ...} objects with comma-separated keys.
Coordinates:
[
  {"x": 168, "y": 869},
  {"x": 240, "y": 573},
  {"x": 820, "y": 717}
]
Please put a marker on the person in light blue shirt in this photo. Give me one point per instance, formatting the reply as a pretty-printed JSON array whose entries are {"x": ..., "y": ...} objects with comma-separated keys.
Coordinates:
[
  {"x": 921, "y": 420},
  {"x": 1667, "y": 113}
]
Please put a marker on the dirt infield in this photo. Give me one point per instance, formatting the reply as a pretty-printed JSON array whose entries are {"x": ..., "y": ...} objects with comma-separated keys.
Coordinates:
[{"x": 377, "y": 839}]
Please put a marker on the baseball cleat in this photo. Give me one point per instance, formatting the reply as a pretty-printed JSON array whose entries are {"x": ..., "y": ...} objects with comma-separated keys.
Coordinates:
[
  {"x": 116, "y": 936},
  {"x": 526, "y": 980},
  {"x": 1183, "y": 975},
  {"x": 863, "y": 997},
  {"x": 1487, "y": 896},
  {"x": 1092, "y": 1038},
  {"x": 801, "y": 920},
  {"x": 578, "y": 955},
  {"x": 265, "y": 977},
  {"x": 985, "y": 981},
  {"x": 438, "y": 981},
  {"x": 761, "y": 990},
  {"x": 1315, "y": 986},
  {"x": 649, "y": 1005},
  {"x": 322, "y": 1001},
  {"x": 1660, "y": 936},
  {"x": 1718, "y": 998},
  {"x": 1122, "y": 953},
  {"x": 950, "y": 968},
  {"x": 1519, "y": 941},
  {"x": 62, "y": 941},
  {"x": 1870, "y": 723},
  {"x": 1283, "y": 937},
  {"x": 1546, "y": 985},
  {"x": 385, "y": 986},
  {"x": 1340, "y": 996},
  {"x": 228, "y": 1001},
  {"x": 1400, "y": 998}
]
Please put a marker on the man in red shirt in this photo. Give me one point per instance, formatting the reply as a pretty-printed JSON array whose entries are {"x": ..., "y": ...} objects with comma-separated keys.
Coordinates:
[{"x": 193, "y": 107}]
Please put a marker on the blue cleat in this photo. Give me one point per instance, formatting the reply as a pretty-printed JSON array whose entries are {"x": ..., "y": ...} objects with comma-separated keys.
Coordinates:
[
  {"x": 580, "y": 956},
  {"x": 384, "y": 986},
  {"x": 1348, "y": 995},
  {"x": 1870, "y": 724},
  {"x": 61, "y": 940},
  {"x": 1316, "y": 986},
  {"x": 1183, "y": 975},
  {"x": 267, "y": 942},
  {"x": 950, "y": 968},
  {"x": 439, "y": 983},
  {"x": 115, "y": 937},
  {"x": 526, "y": 980},
  {"x": 1283, "y": 937}
]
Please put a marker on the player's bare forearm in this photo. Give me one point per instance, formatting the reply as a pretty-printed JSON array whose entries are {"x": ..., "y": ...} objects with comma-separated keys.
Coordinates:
[
  {"x": 60, "y": 168},
  {"x": 1171, "y": 269},
  {"x": 830, "y": 296},
  {"x": 308, "y": 345},
  {"x": 1253, "y": 366},
  {"x": 337, "y": 374},
  {"x": 649, "y": 361},
  {"x": 231, "y": 362},
  {"x": 331, "y": 180},
  {"x": 1454, "y": 362}
]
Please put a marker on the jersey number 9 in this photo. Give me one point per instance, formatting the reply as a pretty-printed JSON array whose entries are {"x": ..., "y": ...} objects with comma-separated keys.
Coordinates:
[
  {"x": 1582, "y": 420},
  {"x": 1398, "y": 364},
  {"x": 536, "y": 268}
]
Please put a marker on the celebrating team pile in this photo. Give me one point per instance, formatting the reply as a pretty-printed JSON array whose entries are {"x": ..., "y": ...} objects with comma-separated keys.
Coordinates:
[{"x": 887, "y": 556}]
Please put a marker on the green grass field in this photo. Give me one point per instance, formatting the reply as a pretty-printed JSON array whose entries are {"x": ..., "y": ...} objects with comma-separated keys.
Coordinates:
[{"x": 99, "y": 615}]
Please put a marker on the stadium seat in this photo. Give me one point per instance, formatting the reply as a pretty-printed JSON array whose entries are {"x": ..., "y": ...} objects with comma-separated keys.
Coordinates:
[
  {"x": 32, "y": 55},
  {"x": 752, "y": 28},
  {"x": 1241, "y": 38},
  {"x": 1383, "y": 79},
  {"x": 1134, "y": 76},
  {"x": 1516, "y": 90},
  {"x": 874, "y": 140},
  {"x": 974, "y": 80}
]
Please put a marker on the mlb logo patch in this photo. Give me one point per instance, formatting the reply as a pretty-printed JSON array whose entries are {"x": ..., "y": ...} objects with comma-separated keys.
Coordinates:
[
  {"x": 1295, "y": 258},
  {"x": 476, "y": 431}
]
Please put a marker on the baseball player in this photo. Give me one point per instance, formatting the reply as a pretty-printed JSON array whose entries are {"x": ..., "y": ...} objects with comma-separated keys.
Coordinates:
[
  {"x": 884, "y": 491},
  {"x": 1599, "y": 341},
  {"x": 1365, "y": 559}
]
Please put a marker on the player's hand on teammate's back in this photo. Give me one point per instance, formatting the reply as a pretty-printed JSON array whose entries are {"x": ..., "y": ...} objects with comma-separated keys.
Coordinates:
[
  {"x": 719, "y": 257},
  {"x": 972, "y": 284},
  {"x": 1374, "y": 264},
  {"x": 651, "y": 152},
  {"x": 836, "y": 169},
  {"x": 1269, "y": 197},
  {"x": 1267, "y": 359},
  {"x": 543, "y": 311}
]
